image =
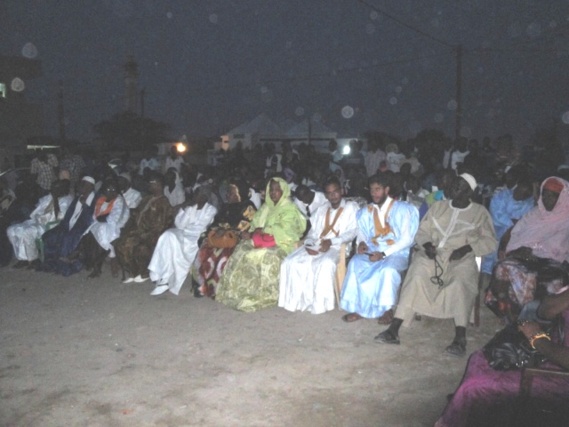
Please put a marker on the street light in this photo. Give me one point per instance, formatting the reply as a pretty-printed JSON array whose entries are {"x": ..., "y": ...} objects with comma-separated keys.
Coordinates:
[{"x": 181, "y": 147}]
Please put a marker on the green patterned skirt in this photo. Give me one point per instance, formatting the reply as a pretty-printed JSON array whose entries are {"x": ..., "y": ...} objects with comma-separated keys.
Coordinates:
[{"x": 250, "y": 280}]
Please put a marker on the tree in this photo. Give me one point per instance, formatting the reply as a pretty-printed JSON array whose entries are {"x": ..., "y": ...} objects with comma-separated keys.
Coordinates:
[{"x": 129, "y": 131}]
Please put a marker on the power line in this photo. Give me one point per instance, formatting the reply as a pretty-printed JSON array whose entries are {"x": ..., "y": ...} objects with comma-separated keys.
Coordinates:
[
  {"x": 404, "y": 24},
  {"x": 481, "y": 51}
]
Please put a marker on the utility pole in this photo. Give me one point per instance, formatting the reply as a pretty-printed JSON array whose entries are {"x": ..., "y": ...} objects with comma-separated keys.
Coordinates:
[
  {"x": 61, "y": 112},
  {"x": 309, "y": 130},
  {"x": 458, "y": 114},
  {"x": 131, "y": 81},
  {"x": 142, "y": 130},
  {"x": 142, "y": 93}
]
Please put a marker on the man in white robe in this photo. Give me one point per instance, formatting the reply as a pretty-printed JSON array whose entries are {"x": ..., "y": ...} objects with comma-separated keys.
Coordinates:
[
  {"x": 110, "y": 215},
  {"x": 308, "y": 274},
  {"x": 177, "y": 247},
  {"x": 442, "y": 280},
  {"x": 131, "y": 196},
  {"x": 47, "y": 214},
  {"x": 386, "y": 229}
]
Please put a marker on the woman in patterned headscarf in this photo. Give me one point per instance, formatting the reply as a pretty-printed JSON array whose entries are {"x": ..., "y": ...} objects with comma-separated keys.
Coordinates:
[
  {"x": 233, "y": 218},
  {"x": 251, "y": 278},
  {"x": 535, "y": 250}
]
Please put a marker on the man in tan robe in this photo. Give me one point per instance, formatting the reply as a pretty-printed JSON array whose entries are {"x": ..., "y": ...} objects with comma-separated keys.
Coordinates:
[
  {"x": 442, "y": 280},
  {"x": 138, "y": 239}
]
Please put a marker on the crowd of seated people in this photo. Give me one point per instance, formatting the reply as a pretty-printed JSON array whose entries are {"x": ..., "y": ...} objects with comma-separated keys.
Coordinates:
[
  {"x": 265, "y": 228},
  {"x": 530, "y": 284}
]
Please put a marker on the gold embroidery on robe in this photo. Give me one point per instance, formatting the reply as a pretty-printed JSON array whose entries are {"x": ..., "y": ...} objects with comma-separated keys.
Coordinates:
[
  {"x": 330, "y": 227},
  {"x": 380, "y": 230}
]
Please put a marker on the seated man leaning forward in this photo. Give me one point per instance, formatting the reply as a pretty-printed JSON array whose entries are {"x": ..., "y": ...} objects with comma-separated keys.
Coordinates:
[
  {"x": 177, "y": 247},
  {"x": 48, "y": 212},
  {"x": 386, "y": 229},
  {"x": 138, "y": 239},
  {"x": 308, "y": 274},
  {"x": 442, "y": 280},
  {"x": 307, "y": 200}
]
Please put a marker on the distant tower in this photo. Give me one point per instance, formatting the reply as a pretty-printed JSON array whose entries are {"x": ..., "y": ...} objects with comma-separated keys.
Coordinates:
[{"x": 131, "y": 81}]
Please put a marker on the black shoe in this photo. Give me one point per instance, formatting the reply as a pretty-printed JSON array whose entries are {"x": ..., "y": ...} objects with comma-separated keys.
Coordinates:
[
  {"x": 20, "y": 264},
  {"x": 387, "y": 337},
  {"x": 197, "y": 293},
  {"x": 34, "y": 264}
]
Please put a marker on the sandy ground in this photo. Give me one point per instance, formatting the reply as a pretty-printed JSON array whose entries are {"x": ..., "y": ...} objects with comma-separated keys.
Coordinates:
[{"x": 80, "y": 352}]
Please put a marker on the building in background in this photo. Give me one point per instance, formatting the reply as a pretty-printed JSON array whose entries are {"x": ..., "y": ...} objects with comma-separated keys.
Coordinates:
[{"x": 262, "y": 130}]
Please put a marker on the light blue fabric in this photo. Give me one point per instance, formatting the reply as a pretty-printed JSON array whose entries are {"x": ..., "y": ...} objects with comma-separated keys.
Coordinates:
[
  {"x": 504, "y": 208},
  {"x": 371, "y": 288}
]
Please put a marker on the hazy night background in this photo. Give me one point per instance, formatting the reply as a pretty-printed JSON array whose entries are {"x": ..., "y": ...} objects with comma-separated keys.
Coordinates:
[{"x": 208, "y": 66}]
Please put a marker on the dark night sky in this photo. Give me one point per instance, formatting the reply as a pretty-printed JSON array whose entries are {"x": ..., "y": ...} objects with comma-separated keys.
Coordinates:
[{"x": 208, "y": 66}]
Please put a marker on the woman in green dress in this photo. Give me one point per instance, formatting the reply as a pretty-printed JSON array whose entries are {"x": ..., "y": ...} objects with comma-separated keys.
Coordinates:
[{"x": 251, "y": 278}]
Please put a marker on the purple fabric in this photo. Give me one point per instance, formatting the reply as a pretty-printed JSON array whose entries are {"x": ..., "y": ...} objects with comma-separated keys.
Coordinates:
[{"x": 482, "y": 389}]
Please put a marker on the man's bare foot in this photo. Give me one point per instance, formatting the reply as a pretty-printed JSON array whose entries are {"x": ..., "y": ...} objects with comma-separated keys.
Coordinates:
[
  {"x": 386, "y": 318},
  {"x": 351, "y": 317}
]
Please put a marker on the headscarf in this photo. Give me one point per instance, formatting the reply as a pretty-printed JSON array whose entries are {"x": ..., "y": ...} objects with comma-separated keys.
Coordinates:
[
  {"x": 552, "y": 184},
  {"x": 238, "y": 214},
  {"x": 283, "y": 220},
  {"x": 546, "y": 233},
  {"x": 269, "y": 206},
  {"x": 242, "y": 189}
]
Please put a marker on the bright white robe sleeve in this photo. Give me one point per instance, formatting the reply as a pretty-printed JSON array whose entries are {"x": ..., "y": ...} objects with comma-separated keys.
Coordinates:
[
  {"x": 194, "y": 221},
  {"x": 406, "y": 223},
  {"x": 182, "y": 217},
  {"x": 117, "y": 211},
  {"x": 177, "y": 247},
  {"x": 201, "y": 220},
  {"x": 106, "y": 232},
  {"x": 64, "y": 203},
  {"x": 132, "y": 197},
  {"x": 38, "y": 214}
]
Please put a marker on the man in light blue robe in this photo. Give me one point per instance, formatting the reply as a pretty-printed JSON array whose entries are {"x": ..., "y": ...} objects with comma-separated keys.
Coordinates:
[
  {"x": 386, "y": 229},
  {"x": 506, "y": 208}
]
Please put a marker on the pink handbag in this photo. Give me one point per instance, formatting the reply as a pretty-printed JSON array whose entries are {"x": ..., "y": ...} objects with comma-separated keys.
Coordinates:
[{"x": 263, "y": 240}]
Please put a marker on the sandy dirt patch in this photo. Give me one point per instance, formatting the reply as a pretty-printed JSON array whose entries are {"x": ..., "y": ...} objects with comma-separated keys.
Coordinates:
[{"x": 77, "y": 352}]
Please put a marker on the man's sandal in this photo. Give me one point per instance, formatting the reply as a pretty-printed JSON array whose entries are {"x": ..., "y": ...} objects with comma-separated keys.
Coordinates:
[
  {"x": 457, "y": 348},
  {"x": 387, "y": 337}
]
